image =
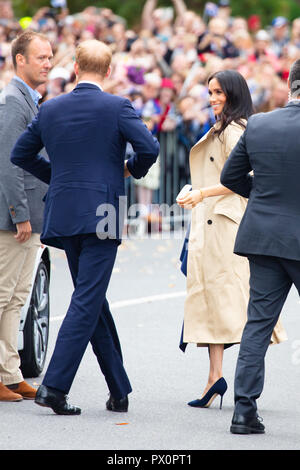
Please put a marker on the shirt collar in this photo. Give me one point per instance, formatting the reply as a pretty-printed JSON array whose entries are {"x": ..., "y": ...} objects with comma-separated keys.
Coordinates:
[
  {"x": 92, "y": 83},
  {"x": 35, "y": 95}
]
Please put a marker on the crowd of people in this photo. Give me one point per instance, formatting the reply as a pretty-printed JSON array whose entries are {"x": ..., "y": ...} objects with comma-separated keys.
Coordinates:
[{"x": 163, "y": 66}]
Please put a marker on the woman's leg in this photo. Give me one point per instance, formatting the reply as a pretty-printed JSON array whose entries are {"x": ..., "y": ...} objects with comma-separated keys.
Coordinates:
[{"x": 216, "y": 365}]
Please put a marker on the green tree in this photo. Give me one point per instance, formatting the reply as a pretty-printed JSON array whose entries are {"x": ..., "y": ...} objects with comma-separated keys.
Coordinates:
[
  {"x": 266, "y": 9},
  {"x": 131, "y": 9}
]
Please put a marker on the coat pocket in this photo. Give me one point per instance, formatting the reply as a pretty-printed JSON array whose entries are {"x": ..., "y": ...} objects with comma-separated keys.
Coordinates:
[
  {"x": 230, "y": 212},
  {"x": 29, "y": 182}
]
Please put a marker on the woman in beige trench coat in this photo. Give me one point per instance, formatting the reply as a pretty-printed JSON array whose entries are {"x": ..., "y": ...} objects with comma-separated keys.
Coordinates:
[{"x": 217, "y": 279}]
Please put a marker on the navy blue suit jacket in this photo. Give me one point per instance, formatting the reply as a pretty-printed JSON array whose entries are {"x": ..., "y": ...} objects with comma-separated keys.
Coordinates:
[
  {"x": 270, "y": 146},
  {"x": 85, "y": 134}
]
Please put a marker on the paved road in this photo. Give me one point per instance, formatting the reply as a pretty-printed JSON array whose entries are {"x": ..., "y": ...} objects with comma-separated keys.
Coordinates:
[{"x": 147, "y": 299}]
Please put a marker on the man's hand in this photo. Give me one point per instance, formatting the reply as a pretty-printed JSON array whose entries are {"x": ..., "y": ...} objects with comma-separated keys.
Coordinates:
[
  {"x": 126, "y": 171},
  {"x": 23, "y": 231}
]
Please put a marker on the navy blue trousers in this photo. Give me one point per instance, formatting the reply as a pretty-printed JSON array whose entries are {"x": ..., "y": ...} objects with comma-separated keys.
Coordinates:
[
  {"x": 271, "y": 279},
  {"x": 88, "y": 318}
]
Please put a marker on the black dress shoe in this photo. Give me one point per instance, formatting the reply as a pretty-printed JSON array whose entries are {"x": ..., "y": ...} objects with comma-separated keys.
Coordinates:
[
  {"x": 246, "y": 425},
  {"x": 117, "y": 405},
  {"x": 46, "y": 396}
]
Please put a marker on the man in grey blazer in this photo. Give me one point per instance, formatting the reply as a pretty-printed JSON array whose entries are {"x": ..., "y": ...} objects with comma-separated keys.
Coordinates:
[
  {"x": 269, "y": 235},
  {"x": 21, "y": 205}
]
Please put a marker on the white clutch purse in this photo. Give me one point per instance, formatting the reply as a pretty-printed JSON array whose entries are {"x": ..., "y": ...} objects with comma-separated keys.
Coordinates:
[{"x": 184, "y": 191}]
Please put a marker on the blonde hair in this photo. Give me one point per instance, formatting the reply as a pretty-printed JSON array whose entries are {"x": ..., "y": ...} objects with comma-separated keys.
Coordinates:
[{"x": 93, "y": 56}]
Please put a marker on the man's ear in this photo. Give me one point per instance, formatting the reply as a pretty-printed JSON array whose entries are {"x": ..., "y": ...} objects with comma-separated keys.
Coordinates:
[
  {"x": 108, "y": 72},
  {"x": 20, "y": 59},
  {"x": 76, "y": 69}
]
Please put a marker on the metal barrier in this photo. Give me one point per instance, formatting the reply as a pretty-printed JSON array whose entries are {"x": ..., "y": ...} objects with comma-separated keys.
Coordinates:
[{"x": 173, "y": 175}]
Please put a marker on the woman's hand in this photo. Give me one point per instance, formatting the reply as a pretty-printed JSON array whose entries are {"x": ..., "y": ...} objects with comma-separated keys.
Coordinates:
[{"x": 191, "y": 199}]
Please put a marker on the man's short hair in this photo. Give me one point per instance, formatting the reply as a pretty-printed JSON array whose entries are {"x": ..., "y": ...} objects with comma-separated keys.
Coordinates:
[
  {"x": 294, "y": 78},
  {"x": 21, "y": 43},
  {"x": 93, "y": 56}
]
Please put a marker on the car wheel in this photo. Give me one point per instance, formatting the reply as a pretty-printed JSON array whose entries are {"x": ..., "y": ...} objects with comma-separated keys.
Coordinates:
[{"x": 36, "y": 330}]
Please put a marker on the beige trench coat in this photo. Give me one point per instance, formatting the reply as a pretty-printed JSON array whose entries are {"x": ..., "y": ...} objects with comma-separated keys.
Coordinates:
[{"x": 217, "y": 279}]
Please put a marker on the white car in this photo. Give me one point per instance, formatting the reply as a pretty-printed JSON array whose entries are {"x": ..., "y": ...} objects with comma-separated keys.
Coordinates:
[{"x": 34, "y": 323}]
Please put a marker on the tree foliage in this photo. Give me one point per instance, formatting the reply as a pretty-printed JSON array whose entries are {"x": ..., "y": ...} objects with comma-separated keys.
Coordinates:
[{"x": 131, "y": 9}]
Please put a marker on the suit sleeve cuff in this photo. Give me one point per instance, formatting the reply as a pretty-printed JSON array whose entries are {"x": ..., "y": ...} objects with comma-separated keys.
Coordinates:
[
  {"x": 18, "y": 216},
  {"x": 132, "y": 170}
]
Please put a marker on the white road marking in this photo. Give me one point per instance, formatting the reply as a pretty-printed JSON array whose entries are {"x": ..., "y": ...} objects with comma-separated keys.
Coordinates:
[{"x": 138, "y": 301}]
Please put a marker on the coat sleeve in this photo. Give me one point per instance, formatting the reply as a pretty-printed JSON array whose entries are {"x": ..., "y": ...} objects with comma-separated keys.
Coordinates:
[
  {"x": 13, "y": 123},
  {"x": 25, "y": 153},
  {"x": 145, "y": 146},
  {"x": 235, "y": 174}
]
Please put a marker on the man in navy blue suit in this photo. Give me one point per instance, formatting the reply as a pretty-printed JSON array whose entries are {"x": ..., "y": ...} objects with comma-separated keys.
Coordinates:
[
  {"x": 269, "y": 235},
  {"x": 85, "y": 133}
]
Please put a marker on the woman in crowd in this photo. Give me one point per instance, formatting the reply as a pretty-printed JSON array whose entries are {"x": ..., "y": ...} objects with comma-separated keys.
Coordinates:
[{"x": 217, "y": 279}]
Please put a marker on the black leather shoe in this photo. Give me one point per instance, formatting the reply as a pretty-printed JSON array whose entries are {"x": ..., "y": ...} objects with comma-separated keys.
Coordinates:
[
  {"x": 117, "y": 405},
  {"x": 246, "y": 424},
  {"x": 46, "y": 396}
]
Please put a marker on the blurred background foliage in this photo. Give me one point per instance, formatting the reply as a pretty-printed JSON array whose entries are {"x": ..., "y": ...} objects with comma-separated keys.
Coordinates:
[{"x": 131, "y": 9}]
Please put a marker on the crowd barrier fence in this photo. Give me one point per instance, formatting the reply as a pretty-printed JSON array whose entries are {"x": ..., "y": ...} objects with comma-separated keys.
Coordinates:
[{"x": 173, "y": 175}]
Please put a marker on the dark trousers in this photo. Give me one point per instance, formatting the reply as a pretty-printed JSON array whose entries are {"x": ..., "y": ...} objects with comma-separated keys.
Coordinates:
[
  {"x": 270, "y": 281},
  {"x": 88, "y": 318}
]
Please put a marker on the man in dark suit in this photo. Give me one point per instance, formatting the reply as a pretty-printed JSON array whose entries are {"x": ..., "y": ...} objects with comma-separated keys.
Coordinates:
[
  {"x": 269, "y": 235},
  {"x": 85, "y": 133},
  {"x": 21, "y": 205}
]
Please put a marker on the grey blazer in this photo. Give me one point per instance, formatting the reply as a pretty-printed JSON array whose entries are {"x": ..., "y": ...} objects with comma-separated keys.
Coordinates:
[{"x": 21, "y": 194}]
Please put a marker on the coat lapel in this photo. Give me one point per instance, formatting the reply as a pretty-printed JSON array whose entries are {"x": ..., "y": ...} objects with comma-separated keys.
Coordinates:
[
  {"x": 209, "y": 133},
  {"x": 201, "y": 141},
  {"x": 26, "y": 95}
]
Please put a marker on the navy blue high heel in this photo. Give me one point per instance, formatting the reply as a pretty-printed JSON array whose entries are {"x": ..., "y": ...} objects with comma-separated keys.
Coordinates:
[{"x": 218, "y": 388}]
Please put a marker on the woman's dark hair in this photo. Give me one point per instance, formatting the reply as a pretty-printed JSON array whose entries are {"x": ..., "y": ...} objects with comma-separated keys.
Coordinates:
[{"x": 238, "y": 105}]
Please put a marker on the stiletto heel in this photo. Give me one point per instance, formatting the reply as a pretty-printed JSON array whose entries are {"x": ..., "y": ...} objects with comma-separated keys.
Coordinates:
[
  {"x": 221, "y": 401},
  {"x": 218, "y": 388}
]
